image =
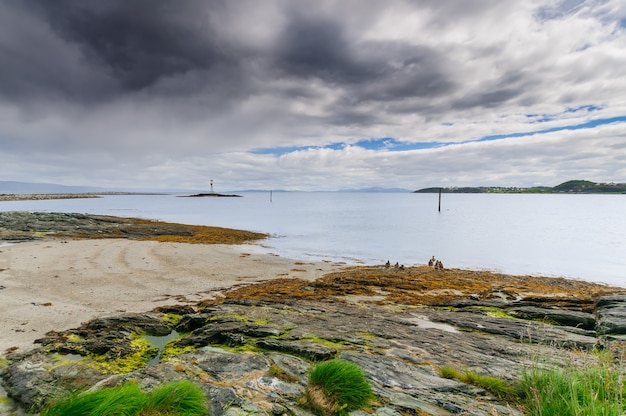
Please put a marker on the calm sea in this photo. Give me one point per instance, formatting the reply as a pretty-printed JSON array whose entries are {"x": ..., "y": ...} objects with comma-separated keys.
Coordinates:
[{"x": 578, "y": 236}]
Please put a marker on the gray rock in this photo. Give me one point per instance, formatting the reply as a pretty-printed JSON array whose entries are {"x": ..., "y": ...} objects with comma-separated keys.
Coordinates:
[
  {"x": 400, "y": 354},
  {"x": 386, "y": 411},
  {"x": 514, "y": 329},
  {"x": 222, "y": 365},
  {"x": 190, "y": 323},
  {"x": 294, "y": 368},
  {"x": 560, "y": 316},
  {"x": 390, "y": 373},
  {"x": 33, "y": 378},
  {"x": 311, "y": 351},
  {"x": 405, "y": 402},
  {"x": 279, "y": 389},
  {"x": 611, "y": 312},
  {"x": 615, "y": 299},
  {"x": 245, "y": 409},
  {"x": 278, "y": 409},
  {"x": 221, "y": 399},
  {"x": 230, "y": 332}
]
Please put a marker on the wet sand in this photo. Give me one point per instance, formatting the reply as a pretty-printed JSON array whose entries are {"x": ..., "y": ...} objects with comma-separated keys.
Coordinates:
[{"x": 55, "y": 285}]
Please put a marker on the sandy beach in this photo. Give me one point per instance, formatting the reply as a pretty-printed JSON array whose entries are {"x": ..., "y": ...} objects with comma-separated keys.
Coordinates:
[{"x": 56, "y": 285}]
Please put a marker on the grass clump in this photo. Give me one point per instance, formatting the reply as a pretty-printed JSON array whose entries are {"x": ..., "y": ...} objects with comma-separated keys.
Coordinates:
[
  {"x": 125, "y": 400},
  {"x": 337, "y": 387},
  {"x": 496, "y": 386},
  {"x": 172, "y": 399},
  {"x": 592, "y": 390},
  {"x": 180, "y": 398},
  {"x": 597, "y": 389}
]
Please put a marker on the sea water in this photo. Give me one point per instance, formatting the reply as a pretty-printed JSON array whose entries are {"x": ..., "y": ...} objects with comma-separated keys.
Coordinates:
[{"x": 576, "y": 236}]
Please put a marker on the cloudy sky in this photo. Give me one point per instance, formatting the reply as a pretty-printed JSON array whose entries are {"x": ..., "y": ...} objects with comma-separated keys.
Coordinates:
[{"x": 305, "y": 95}]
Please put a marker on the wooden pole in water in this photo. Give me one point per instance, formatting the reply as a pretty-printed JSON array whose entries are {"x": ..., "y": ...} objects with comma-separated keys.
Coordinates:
[
  {"x": 439, "y": 199},
  {"x": 270, "y": 196}
]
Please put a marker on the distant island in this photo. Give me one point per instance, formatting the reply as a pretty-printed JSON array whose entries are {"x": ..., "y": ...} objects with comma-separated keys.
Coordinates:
[
  {"x": 213, "y": 194},
  {"x": 569, "y": 187}
]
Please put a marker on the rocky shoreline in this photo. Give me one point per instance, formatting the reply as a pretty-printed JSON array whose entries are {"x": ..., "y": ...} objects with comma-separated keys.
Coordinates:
[
  {"x": 46, "y": 196},
  {"x": 28, "y": 226},
  {"x": 251, "y": 349},
  {"x": 41, "y": 197}
]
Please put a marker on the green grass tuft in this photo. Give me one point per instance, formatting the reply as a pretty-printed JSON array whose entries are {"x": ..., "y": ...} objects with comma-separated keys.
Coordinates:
[
  {"x": 597, "y": 389},
  {"x": 337, "y": 387},
  {"x": 450, "y": 373},
  {"x": 173, "y": 399},
  {"x": 496, "y": 386},
  {"x": 125, "y": 400},
  {"x": 593, "y": 390}
]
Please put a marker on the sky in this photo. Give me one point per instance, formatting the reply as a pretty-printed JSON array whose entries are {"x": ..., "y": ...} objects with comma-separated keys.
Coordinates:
[{"x": 312, "y": 95}]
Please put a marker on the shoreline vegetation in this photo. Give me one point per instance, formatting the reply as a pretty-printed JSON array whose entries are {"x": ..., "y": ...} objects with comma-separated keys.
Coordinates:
[
  {"x": 430, "y": 341},
  {"x": 569, "y": 187}
]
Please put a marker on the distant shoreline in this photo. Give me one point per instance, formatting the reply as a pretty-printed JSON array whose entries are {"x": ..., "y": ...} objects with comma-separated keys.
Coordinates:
[
  {"x": 569, "y": 187},
  {"x": 45, "y": 196}
]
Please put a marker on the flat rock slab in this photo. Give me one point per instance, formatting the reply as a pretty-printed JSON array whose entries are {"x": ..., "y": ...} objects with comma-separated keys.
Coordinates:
[
  {"x": 308, "y": 350},
  {"x": 611, "y": 312},
  {"x": 564, "y": 317},
  {"x": 517, "y": 329}
]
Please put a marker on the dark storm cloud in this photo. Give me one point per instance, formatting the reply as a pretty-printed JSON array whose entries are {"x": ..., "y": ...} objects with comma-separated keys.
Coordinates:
[
  {"x": 407, "y": 71},
  {"x": 311, "y": 46},
  {"x": 94, "y": 51},
  {"x": 37, "y": 64},
  {"x": 139, "y": 42},
  {"x": 317, "y": 48}
]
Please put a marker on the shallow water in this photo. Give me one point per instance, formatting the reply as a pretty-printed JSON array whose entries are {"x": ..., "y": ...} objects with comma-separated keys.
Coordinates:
[
  {"x": 578, "y": 236},
  {"x": 159, "y": 342}
]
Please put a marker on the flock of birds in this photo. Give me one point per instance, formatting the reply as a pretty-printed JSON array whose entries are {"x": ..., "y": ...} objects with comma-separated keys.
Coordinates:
[{"x": 433, "y": 262}]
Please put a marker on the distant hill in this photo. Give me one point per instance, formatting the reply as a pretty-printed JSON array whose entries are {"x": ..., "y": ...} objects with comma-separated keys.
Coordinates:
[
  {"x": 587, "y": 187},
  {"x": 13, "y": 187},
  {"x": 569, "y": 187}
]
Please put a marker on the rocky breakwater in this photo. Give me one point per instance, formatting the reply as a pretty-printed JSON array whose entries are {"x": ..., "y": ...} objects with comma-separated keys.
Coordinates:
[{"x": 251, "y": 351}]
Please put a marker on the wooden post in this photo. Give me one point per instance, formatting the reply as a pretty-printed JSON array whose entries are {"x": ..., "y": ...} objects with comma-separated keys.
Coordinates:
[
  {"x": 440, "y": 199},
  {"x": 270, "y": 196}
]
